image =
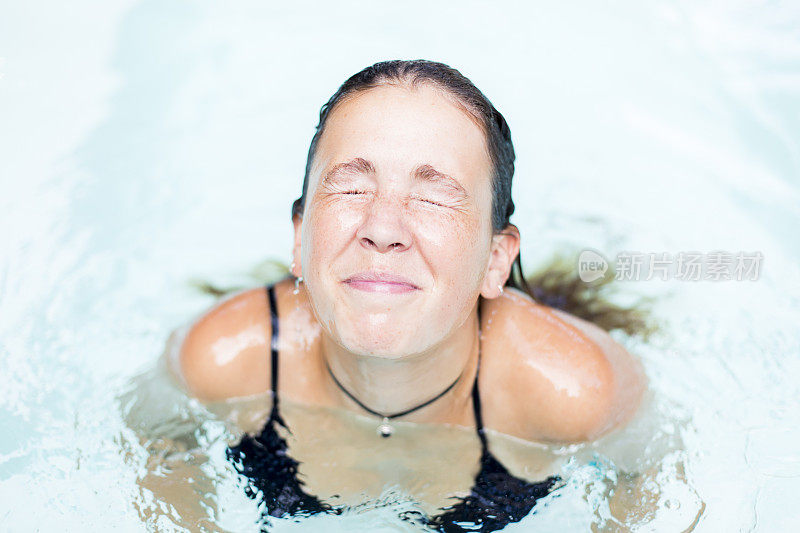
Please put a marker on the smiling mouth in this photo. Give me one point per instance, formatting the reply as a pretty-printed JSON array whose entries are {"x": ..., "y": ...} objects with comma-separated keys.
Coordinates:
[
  {"x": 380, "y": 286},
  {"x": 380, "y": 283}
]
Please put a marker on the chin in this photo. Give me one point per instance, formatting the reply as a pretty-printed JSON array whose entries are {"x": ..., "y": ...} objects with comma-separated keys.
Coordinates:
[{"x": 377, "y": 342}]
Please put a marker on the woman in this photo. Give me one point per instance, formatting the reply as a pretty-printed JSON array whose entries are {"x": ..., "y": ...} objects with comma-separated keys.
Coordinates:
[{"x": 401, "y": 305}]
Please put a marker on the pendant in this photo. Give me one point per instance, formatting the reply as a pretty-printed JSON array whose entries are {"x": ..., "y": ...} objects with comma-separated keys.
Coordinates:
[{"x": 385, "y": 430}]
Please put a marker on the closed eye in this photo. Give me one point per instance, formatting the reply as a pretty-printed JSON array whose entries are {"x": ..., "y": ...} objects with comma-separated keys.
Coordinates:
[{"x": 427, "y": 201}]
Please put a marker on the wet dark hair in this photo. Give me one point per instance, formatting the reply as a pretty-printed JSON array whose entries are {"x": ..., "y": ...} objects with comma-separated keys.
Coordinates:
[{"x": 414, "y": 73}]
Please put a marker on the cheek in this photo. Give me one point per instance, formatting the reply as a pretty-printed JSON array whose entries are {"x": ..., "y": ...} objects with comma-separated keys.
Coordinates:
[
  {"x": 443, "y": 227},
  {"x": 455, "y": 245},
  {"x": 329, "y": 226}
]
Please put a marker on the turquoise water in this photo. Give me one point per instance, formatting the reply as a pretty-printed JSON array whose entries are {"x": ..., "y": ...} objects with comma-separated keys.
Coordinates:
[{"x": 143, "y": 145}]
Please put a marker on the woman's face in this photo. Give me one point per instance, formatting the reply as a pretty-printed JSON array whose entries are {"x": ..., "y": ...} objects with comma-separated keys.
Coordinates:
[{"x": 396, "y": 237}]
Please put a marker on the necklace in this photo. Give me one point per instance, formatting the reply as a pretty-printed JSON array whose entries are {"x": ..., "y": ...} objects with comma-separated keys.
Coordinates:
[{"x": 385, "y": 429}]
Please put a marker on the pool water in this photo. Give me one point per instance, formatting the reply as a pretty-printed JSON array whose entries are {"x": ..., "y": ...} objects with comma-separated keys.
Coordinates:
[{"x": 145, "y": 145}]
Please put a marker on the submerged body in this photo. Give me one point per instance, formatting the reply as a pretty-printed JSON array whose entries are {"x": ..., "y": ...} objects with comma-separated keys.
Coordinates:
[{"x": 230, "y": 351}]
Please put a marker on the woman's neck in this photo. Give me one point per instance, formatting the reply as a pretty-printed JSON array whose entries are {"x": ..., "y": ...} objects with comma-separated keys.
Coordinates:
[{"x": 390, "y": 386}]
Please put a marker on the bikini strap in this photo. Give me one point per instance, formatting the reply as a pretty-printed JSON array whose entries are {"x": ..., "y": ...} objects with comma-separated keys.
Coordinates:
[
  {"x": 273, "y": 312},
  {"x": 476, "y": 397}
]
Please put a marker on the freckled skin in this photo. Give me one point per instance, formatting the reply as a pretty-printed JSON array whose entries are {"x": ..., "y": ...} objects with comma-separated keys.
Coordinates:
[{"x": 544, "y": 375}]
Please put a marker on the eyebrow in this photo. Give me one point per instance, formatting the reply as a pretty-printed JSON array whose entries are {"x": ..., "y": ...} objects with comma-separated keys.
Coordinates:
[
  {"x": 426, "y": 172},
  {"x": 430, "y": 174},
  {"x": 359, "y": 165}
]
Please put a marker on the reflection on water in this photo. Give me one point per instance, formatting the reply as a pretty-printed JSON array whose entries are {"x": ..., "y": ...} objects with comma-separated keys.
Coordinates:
[{"x": 145, "y": 145}]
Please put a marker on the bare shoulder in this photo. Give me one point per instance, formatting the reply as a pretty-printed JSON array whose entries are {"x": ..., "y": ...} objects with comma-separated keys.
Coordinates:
[
  {"x": 222, "y": 354},
  {"x": 564, "y": 379}
]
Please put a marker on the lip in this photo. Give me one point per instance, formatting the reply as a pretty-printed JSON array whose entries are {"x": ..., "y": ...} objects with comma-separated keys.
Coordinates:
[{"x": 383, "y": 282}]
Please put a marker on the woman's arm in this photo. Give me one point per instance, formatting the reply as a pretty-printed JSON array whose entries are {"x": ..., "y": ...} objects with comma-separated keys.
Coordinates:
[
  {"x": 626, "y": 380},
  {"x": 564, "y": 379},
  {"x": 222, "y": 354}
]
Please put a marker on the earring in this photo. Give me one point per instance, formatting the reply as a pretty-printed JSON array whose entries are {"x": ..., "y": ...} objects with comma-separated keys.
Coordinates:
[
  {"x": 501, "y": 289},
  {"x": 297, "y": 283}
]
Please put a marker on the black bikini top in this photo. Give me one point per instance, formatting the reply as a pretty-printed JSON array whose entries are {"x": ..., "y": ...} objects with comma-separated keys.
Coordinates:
[{"x": 497, "y": 498}]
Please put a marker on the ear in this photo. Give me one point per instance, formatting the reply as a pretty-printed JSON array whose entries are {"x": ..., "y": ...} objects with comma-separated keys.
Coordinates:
[
  {"x": 504, "y": 250},
  {"x": 297, "y": 270}
]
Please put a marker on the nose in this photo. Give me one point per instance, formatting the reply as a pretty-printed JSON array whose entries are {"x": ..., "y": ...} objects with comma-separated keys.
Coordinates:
[{"x": 384, "y": 228}]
